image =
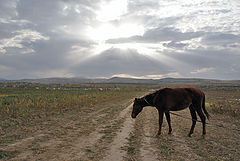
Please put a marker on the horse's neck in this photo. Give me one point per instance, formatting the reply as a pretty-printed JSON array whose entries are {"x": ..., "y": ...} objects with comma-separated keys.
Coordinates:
[
  {"x": 148, "y": 100},
  {"x": 145, "y": 102}
]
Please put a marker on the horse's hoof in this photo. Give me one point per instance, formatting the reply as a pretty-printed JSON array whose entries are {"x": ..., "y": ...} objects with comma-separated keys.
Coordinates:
[{"x": 189, "y": 135}]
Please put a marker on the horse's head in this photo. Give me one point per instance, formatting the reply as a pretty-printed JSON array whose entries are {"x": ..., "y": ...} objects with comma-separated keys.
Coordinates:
[{"x": 137, "y": 107}]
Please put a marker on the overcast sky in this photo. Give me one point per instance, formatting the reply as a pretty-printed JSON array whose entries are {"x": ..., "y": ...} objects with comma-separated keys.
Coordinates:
[{"x": 129, "y": 38}]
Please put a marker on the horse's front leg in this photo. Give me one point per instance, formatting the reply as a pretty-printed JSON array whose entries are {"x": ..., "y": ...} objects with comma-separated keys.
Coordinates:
[
  {"x": 160, "y": 113},
  {"x": 167, "y": 114}
]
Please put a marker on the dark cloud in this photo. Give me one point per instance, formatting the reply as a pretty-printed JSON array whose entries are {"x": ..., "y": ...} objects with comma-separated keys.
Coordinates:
[
  {"x": 220, "y": 39},
  {"x": 169, "y": 34},
  {"x": 159, "y": 34},
  {"x": 175, "y": 45},
  {"x": 223, "y": 64}
]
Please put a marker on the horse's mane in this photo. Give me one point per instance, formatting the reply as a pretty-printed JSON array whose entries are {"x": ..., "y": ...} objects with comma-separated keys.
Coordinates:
[{"x": 156, "y": 92}]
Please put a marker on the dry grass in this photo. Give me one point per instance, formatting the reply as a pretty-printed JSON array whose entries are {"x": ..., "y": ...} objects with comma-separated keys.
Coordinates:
[
  {"x": 224, "y": 102},
  {"x": 20, "y": 105}
]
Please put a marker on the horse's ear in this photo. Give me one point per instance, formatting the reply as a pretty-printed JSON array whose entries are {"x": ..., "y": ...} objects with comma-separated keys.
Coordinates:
[{"x": 135, "y": 100}]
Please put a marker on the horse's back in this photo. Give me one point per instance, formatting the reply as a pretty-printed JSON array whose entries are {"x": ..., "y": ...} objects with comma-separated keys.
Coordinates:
[
  {"x": 178, "y": 98},
  {"x": 180, "y": 91}
]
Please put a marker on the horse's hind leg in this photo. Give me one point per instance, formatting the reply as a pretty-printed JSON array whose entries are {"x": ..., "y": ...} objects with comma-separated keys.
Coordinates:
[
  {"x": 169, "y": 122},
  {"x": 194, "y": 119},
  {"x": 160, "y": 112},
  {"x": 203, "y": 119}
]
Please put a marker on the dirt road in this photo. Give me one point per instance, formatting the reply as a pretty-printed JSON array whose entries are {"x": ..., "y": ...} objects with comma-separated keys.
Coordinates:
[{"x": 109, "y": 133}]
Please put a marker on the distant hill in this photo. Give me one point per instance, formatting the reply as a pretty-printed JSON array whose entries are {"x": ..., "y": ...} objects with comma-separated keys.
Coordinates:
[
  {"x": 128, "y": 80},
  {"x": 60, "y": 80},
  {"x": 114, "y": 80},
  {"x": 187, "y": 80},
  {"x": 2, "y": 80}
]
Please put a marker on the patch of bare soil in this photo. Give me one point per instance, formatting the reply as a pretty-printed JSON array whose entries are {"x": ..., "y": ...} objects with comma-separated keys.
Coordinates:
[
  {"x": 115, "y": 152},
  {"x": 147, "y": 151}
]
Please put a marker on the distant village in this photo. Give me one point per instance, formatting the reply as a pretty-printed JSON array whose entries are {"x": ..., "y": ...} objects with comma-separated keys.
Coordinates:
[{"x": 37, "y": 86}]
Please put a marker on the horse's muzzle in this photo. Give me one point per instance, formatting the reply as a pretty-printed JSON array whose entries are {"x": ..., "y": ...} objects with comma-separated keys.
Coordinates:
[{"x": 133, "y": 115}]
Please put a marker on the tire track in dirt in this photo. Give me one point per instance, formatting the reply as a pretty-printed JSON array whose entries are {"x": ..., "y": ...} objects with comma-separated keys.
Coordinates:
[
  {"x": 147, "y": 151},
  {"x": 116, "y": 153},
  {"x": 72, "y": 145},
  {"x": 44, "y": 147},
  {"x": 80, "y": 146},
  {"x": 83, "y": 147}
]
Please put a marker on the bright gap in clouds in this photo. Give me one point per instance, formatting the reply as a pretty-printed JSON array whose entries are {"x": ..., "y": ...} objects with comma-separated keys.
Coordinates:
[
  {"x": 109, "y": 12},
  {"x": 112, "y": 10},
  {"x": 108, "y": 31}
]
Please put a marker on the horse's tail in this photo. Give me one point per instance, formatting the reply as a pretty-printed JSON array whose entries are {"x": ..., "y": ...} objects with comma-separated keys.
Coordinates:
[{"x": 204, "y": 109}]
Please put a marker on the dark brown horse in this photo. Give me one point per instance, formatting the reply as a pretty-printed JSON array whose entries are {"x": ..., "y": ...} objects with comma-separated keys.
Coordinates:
[{"x": 174, "y": 99}]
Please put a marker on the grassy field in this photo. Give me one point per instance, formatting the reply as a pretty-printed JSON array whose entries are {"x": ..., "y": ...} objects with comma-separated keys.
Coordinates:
[
  {"x": 93, "y": 123},
  {"x": 17, "y": 105},
  {"x": 224, "y": 102}
]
